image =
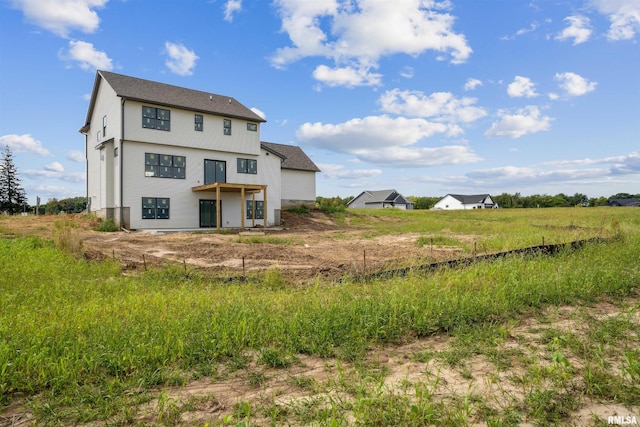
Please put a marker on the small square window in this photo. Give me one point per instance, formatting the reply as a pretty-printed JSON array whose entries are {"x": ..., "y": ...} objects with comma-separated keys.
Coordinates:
[
  {"x": 166, "y": 160},
  {"x": 179, "y": 161},
  {"x": 151, "y": 159},
  {"x": 178, "y": 173},
  {"x": 166, "y": 172},
  {"x": 151, "y": 170},
  {"x": 252, "y": 127}
]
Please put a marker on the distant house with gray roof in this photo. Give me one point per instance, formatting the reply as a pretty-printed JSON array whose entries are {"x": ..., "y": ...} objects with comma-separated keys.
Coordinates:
[
  {"x": 380, "y": 199},
  {"x": 464, "y": 201},
  {"x": 167, "y": 157},
  {"x": 625, "y": 202}
]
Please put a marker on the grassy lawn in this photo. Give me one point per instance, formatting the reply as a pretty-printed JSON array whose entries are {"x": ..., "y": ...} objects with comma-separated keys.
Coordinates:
[{"x": 81, "y": 342}]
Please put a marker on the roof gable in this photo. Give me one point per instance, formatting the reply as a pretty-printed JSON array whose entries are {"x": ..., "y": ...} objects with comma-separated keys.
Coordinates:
[
  {"x": 470, "y": 199},
  {"x": 141, "y": 90},
  {"x": 293, "y": 156},
  {"x": 381, "y": 196}
]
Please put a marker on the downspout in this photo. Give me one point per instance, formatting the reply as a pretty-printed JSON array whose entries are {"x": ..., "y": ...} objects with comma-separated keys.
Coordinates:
[
  {"x": 86, "y": 174},
  {"x": 121, "y": 156}
]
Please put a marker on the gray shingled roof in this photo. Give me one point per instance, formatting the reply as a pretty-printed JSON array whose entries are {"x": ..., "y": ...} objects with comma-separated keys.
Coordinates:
[
  {"x": 171, "y": 96},
  {"x": 294, "y": 157},
  {"x": 381, "y": 196},
  {"x": 468, "y": 199}
]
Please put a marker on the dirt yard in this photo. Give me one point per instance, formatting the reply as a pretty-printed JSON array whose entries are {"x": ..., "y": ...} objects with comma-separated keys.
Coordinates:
[{"x": 303, "y": 248}]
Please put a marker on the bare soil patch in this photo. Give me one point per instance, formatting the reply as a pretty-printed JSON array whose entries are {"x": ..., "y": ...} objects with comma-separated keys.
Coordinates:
[{"x": 305, "y": 247}]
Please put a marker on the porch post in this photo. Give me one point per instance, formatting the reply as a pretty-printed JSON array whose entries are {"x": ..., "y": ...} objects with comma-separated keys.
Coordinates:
[
  {"x": 253, "y": 210},
  {"x": 242, "y": 207},
  {"x": 218, "y": 219},
  {"x": 264, "y": 191}
]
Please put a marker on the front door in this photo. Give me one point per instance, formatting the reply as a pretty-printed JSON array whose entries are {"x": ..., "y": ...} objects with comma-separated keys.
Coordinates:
[{"x": 208, "y": 213}]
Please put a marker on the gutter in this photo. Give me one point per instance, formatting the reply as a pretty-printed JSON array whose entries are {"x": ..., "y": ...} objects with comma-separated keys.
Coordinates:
[{"x": 121, "y": 156}]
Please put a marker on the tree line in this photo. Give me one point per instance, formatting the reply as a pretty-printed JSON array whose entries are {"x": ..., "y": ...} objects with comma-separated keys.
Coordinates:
[{"x": 504, "y": 200}]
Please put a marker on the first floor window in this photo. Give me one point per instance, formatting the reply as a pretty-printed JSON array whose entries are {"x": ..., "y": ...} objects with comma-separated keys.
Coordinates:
[
  {"x": 259, "y": 207},
  {"x": 155, "y": 208},
  {"x": 248, "y": 166}
]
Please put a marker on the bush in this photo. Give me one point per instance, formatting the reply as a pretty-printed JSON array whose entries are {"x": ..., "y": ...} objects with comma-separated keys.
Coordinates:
[{"x": 107, "y": 225}]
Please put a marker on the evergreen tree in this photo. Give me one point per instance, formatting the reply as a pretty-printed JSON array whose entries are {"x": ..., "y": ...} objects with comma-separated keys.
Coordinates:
[{"x": 12, "y": 196}]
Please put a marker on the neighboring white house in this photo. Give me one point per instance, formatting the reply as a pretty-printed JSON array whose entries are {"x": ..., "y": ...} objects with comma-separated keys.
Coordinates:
[
  {"x": 298, "y": 175},
  {"x": 460, "y": 201},
  {"x": 380, "y": 199},
  {"x": 165, "y": 157}
]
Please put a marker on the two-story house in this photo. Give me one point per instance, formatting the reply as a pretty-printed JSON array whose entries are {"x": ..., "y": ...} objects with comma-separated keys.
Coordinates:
[{"x": 166, "y": 157}]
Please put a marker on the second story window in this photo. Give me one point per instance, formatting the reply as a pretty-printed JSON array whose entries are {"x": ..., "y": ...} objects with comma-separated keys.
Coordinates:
[
  {"x": 156, "y": 118},
  {"x": 248, "y": 166},
  {"x": 198, "y": 122},
  {"x": 164, "y": 166},
  {"x": 227, "y": 126},
  {"x": 104, "y": 125},
  {"x": 252, "y": 127}
]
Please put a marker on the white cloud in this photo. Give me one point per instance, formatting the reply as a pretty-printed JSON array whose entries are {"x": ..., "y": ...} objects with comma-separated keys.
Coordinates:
[
  {"x": 360, "y": 32},
  {"x": 340, "y": 172},
  {"x": 346, "y": 76},
  {"x": 54, "y": 167},
  {"x": 62, "y": 16},
  {"x": 407, "y": 72},
  {"x": 55, "y": 174},
  {"x": 386, "y": 141},
  {"x": 629, "y": 164},
  {"x": 441, "y": 106},
  {"x": 181, "y": 60},
  {"x": 88, "y": 57},
  {"x": 472, "y": 84},
  {"x": 522, "y": 87},
  {"x": 76, "y": 156},
  {"x": 23, "y": 143},
  {"x": 578, "y": 29},
  {"x": 525, "y": 121},
  {"x": 574, "y": 84},
  {"x": 624, "y": 16},
  {"x": 534, "y": 26},
  {"x": 558, "y": 172},
  {"x": 231, "y": 7},
  {"x": 259, "y": 112}
]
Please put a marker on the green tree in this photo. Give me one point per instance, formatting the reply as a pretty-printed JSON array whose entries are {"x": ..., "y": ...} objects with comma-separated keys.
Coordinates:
[
  {"x": 13, "y": 198},
  {"x": 424, "y": 202}
]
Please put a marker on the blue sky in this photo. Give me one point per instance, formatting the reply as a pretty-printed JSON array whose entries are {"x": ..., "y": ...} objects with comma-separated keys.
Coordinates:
[{"x": 427, "y": 97}]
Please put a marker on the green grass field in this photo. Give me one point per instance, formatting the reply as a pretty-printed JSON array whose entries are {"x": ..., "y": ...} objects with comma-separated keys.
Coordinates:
[{"x": 80, "y": 342}]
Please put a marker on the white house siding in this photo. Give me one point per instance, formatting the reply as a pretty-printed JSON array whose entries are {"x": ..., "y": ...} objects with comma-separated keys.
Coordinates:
[
  {"x": 184, "y": 203},
  {"x": 183, "y": 131},
  {"x": 102, "y": 185},
  {"x": 449, "y": 202},
  {"x": 298, "y": 188}
]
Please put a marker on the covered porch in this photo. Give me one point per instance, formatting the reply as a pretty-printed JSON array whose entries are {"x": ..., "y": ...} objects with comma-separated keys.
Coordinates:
[{"x": 243, "y": 189}]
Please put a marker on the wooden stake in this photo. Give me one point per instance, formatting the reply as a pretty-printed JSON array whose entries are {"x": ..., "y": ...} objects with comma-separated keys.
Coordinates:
[
  {"x": 364, "y": 259},
  {"x": 144, "y": 261},
  {"x": 244, "y": 273}
]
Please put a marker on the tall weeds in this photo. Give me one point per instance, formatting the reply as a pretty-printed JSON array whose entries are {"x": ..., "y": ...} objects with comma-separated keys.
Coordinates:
[{"x": 81, "y": 335}]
